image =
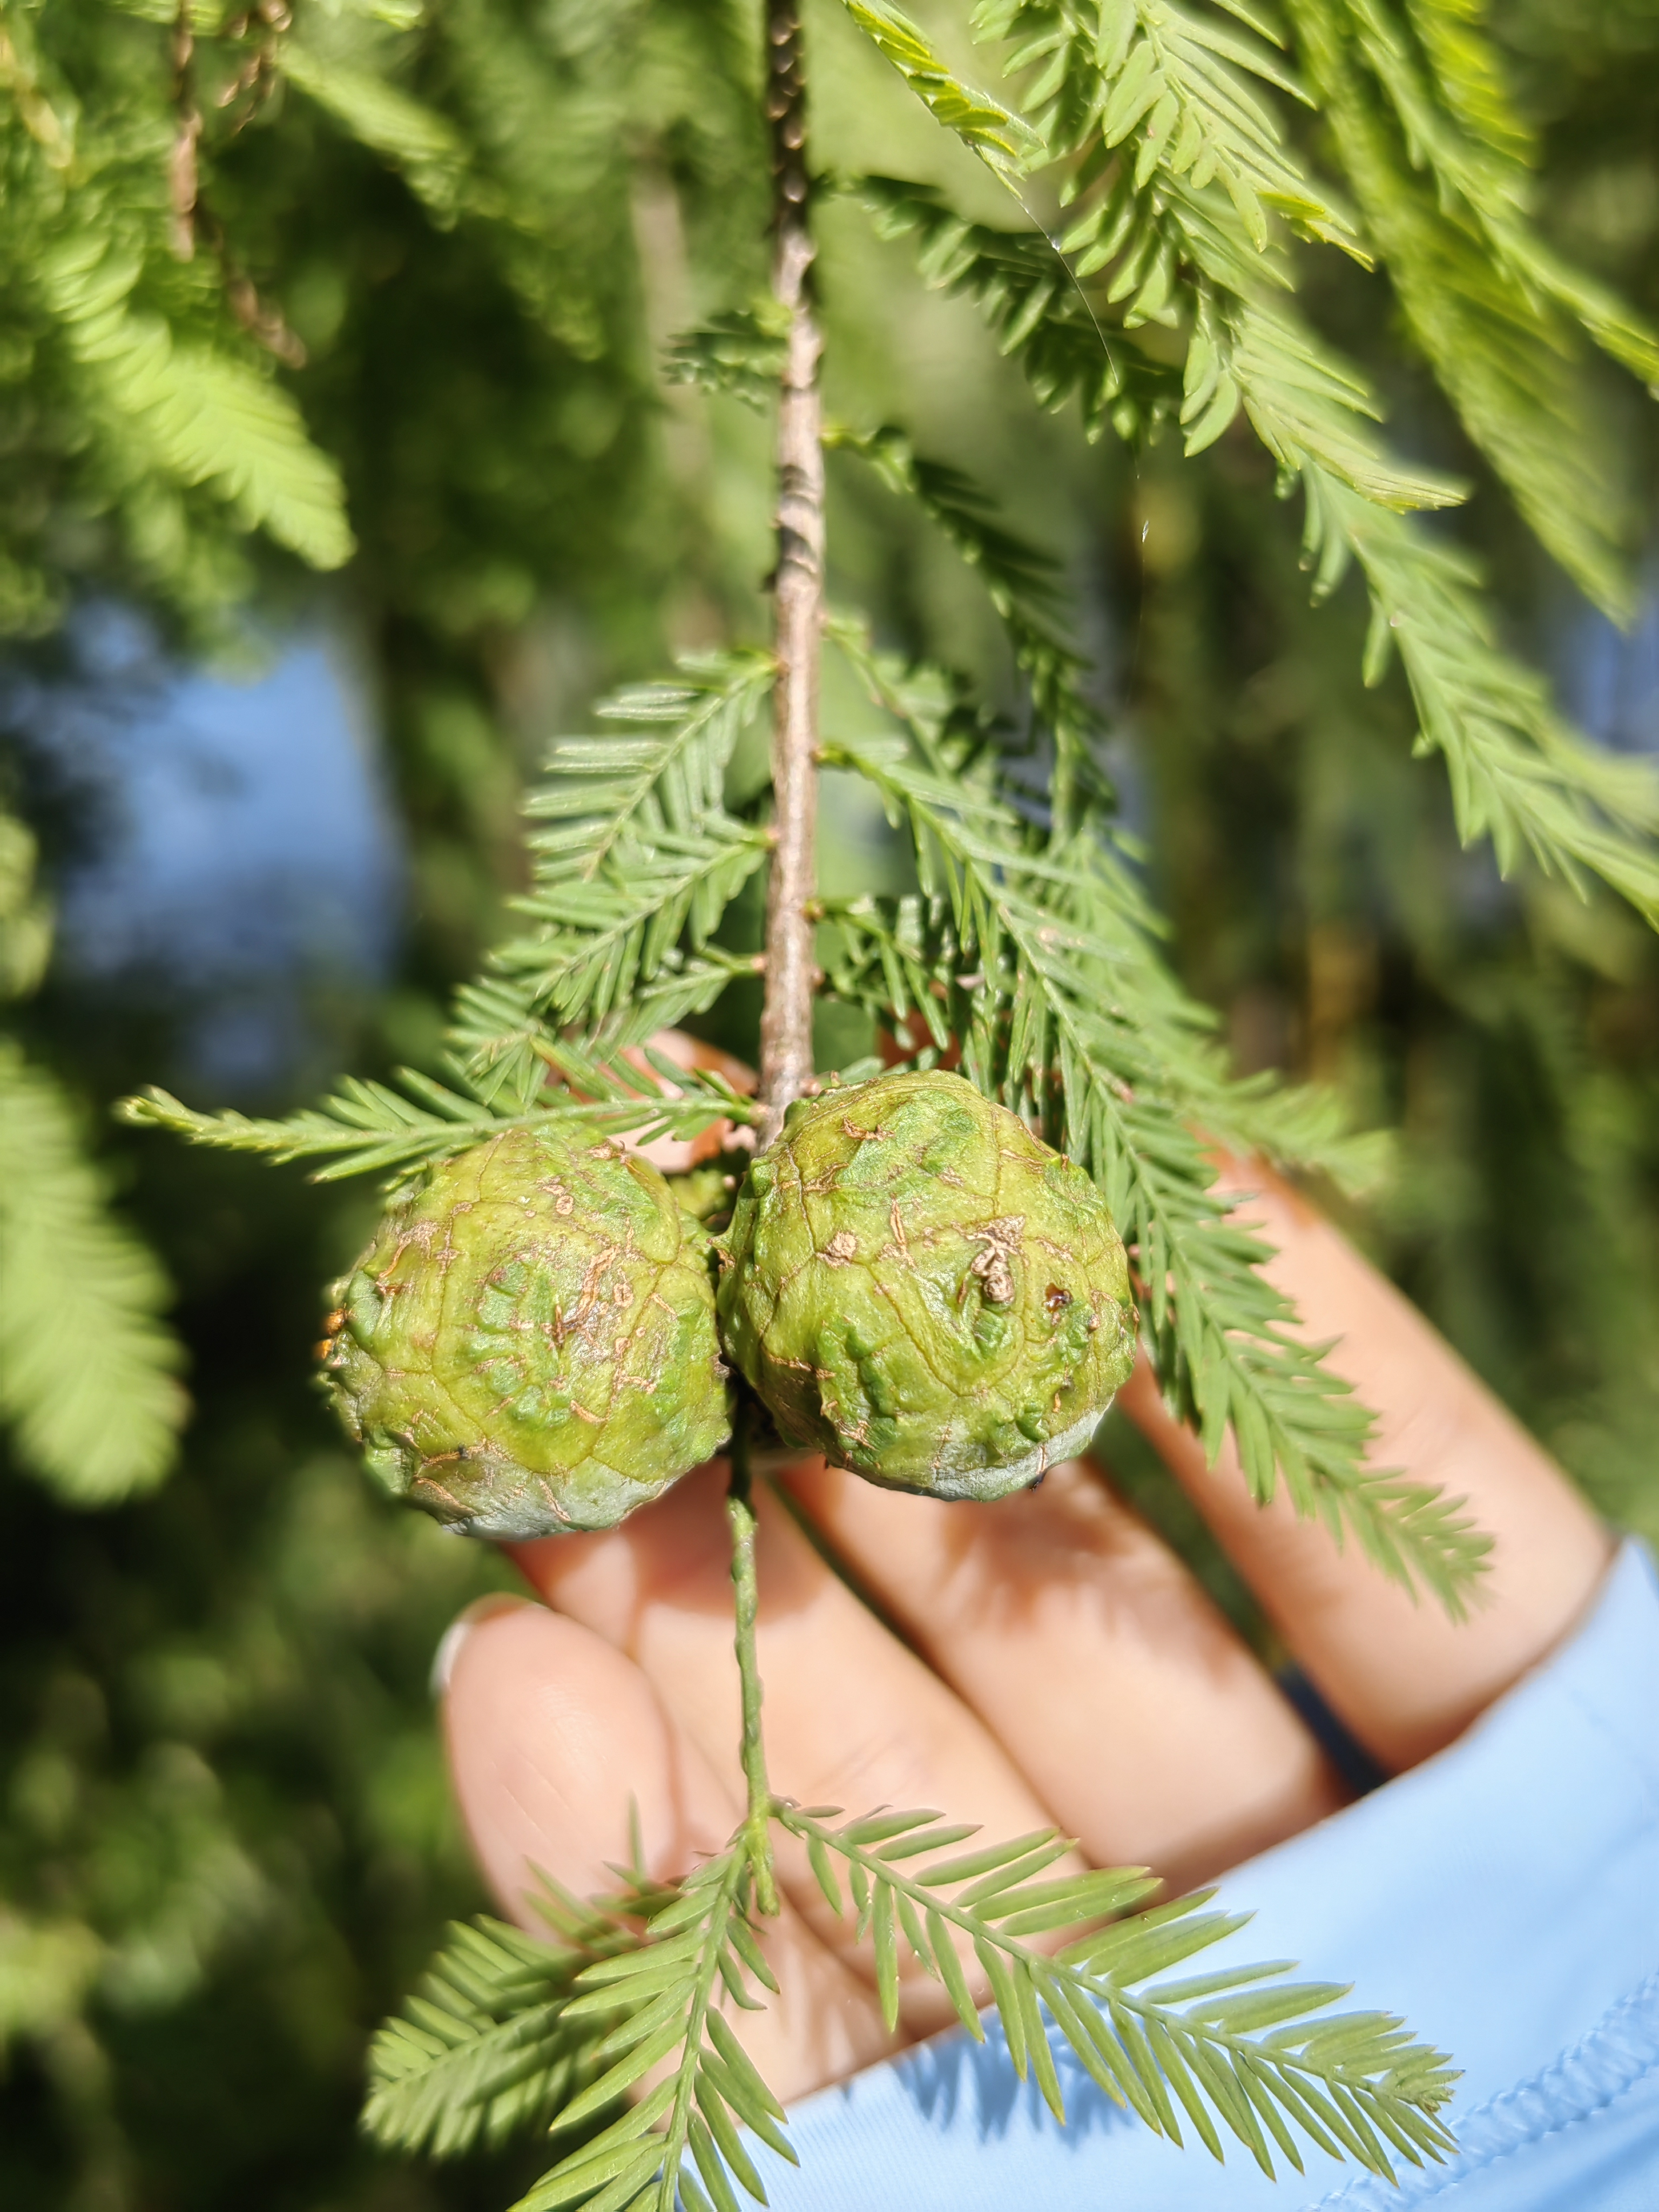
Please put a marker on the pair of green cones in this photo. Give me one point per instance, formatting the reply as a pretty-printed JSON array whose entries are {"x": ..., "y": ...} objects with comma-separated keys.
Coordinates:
[{"x": 538, "y": 1338}]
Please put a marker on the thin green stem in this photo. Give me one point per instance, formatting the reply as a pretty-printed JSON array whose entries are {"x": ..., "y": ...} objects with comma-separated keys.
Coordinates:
[{"x": 740, "y": 1517}]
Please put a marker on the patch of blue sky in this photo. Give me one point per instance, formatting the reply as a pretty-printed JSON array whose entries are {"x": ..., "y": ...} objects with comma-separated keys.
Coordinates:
[
  {"x": 1610, "y": 678},
  {"x": 243, "y": 854}
]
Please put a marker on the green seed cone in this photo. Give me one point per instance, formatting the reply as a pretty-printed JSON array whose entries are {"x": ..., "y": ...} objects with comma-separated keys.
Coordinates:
[
  {"x": 528, "y": 1346},
  {"x": 918, "y": 1287}
]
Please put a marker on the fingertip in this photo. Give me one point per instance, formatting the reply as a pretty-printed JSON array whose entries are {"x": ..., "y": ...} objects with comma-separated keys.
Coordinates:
[
  {"x": 554, "y": 1739},
  {"x": 450, "y": 1643}
]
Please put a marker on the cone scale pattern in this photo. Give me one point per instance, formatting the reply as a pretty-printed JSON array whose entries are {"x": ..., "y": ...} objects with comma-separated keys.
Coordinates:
[
  {"x": 918, "y": 1287},
  {"x": 528, "y": 1346}
]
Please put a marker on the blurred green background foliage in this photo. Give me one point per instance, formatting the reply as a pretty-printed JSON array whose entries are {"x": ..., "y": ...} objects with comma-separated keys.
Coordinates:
[{"x": 227, "y": 1845}]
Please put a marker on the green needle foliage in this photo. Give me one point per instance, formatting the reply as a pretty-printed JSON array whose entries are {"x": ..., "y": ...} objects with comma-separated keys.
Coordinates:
[
  {"x": 494, "y": 2040},
  {"x": 164, "y": 422},
  {"x": 171, "y": 258},
  {"x": 501, "y": 2028},
  {"x": 370, "y": 1128},
  {"x": 636, "y": 865},
  {"x": 505, "y": 2030},
  {"x": 1438, "y": 160},
  {"x": 1162, "y": 268},
  {"x": 1351, "y": 2083},
  {"x": 88, "y": 1367},
  {"x": 1176, "y": 163}
]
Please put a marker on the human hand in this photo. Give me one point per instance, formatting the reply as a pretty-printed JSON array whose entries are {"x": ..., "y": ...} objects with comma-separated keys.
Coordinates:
[{"x": 1042, "y": 1661}]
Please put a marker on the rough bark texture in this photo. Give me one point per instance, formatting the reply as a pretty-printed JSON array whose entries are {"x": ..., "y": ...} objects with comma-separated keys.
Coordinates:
[{"x": 786, "y": 1021}]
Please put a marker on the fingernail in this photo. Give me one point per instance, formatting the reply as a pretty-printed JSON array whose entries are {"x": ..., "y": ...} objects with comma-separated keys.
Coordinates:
[{"x": 468, "y": 1619}]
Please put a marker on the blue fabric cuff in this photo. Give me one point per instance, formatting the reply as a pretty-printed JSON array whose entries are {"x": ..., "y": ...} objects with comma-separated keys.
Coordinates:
[{"x": 1503, "y": 1897}]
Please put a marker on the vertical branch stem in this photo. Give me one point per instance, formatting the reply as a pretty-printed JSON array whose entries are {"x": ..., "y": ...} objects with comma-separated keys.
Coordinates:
[
  {"x": 787, "y": 1017},
  {"x": 785, "y": 1065},
  {"x": 182, "y": 173},
  {"x": 740, "y": 1517}
]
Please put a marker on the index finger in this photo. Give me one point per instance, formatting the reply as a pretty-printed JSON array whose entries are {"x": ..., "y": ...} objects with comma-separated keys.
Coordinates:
[{"x": 1404, "y": 1678}]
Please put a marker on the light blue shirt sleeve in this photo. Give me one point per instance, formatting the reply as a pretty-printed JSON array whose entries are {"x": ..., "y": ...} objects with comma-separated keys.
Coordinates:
[{"x": 1504, "y": 1897}]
